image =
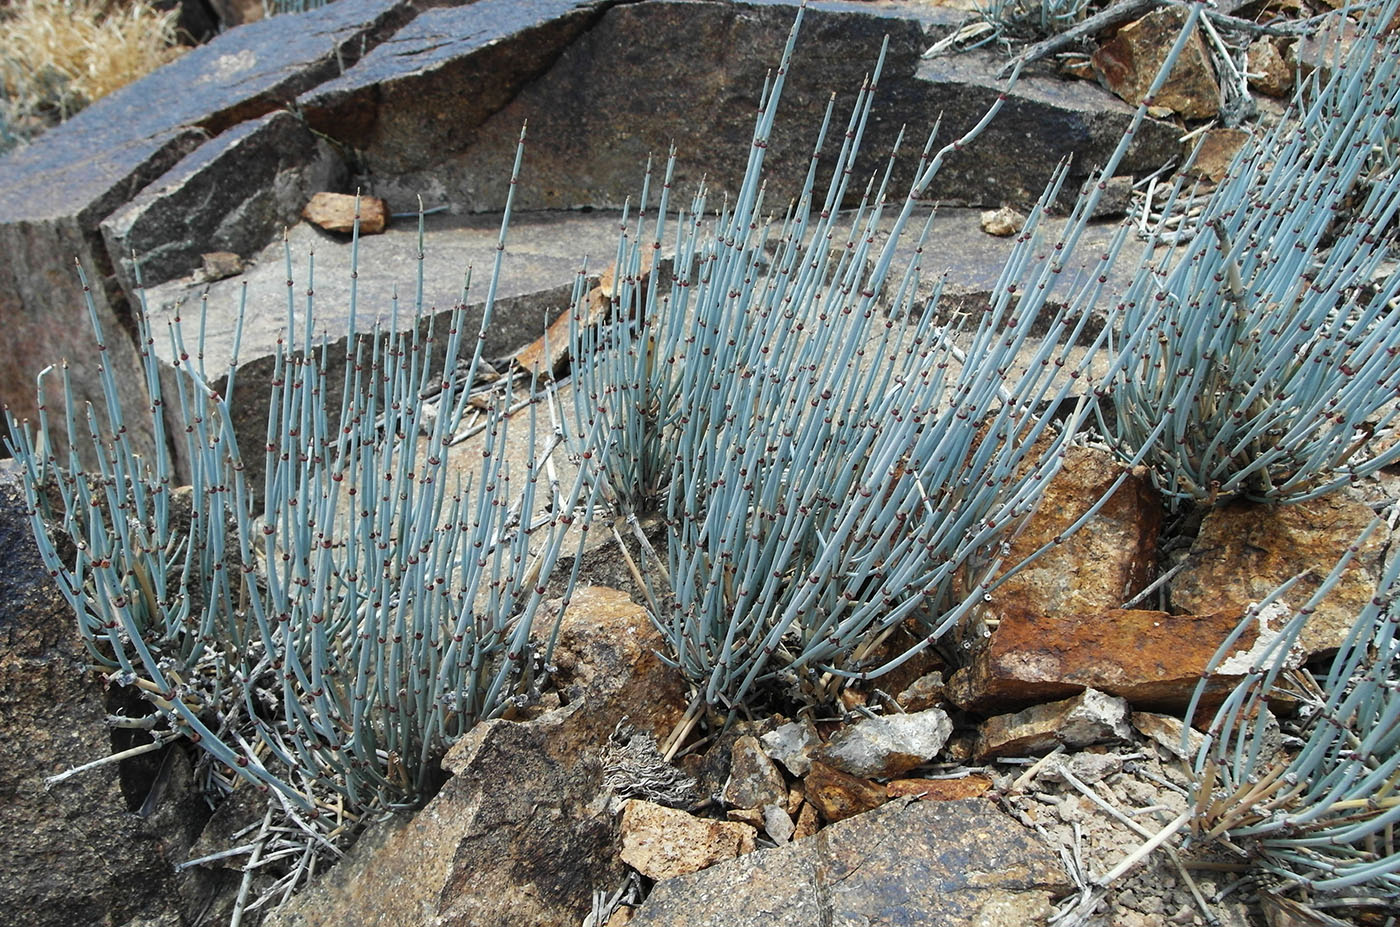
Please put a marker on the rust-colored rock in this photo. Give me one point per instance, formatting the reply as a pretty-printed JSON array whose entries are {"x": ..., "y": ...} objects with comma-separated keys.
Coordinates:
[
  {"x": 1089, "y": 718},
  {"x": 1216, "y": 150},
  {"x": 607, "y": 652},
  {"x": 1245, "y": 550},
  {"x": 808, "y": 821},
  {"x": 662, "y": 843},
  {"x": 1269, "y": 73},
  {"x": 546, "y": 355},
  {"x": 924, "y": 692},
  {"x": 1128, "y": 62},
  {"x": 335, "y": 212},
  {"x": 972, "y": 786},
  {"x": 1102, "y": 565},
  {"x": 1151, "y": 658},
  {"x": 839, "y": 795}
]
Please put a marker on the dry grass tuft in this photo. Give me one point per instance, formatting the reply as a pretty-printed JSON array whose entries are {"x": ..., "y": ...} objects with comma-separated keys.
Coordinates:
[{"x": 60, "y": 55}]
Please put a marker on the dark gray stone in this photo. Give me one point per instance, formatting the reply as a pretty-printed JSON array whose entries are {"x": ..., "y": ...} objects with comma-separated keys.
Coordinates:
[
  {"x": 235, "y": 193},
  {"x": 644, "y": 76},
  {"x": 1045, "y": 120},
  {"x": 423, "y": 94},
  {"x": 78, "y": 853},
  {"x": 41, "y": 299},
  {"x": 651, "y": 74},
  {"x": 55, "y": 191},
  {"x": 902, "y": 864}
]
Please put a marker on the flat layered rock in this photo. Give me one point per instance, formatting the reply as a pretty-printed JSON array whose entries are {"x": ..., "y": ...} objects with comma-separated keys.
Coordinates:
[
  {"x": 424, "y": 93},
  {"x": 544, "y": 255},
  {"x": 193, "y": 209},
  {"x": 55, "y": 191},
  {"x": 649, "y": 75}
]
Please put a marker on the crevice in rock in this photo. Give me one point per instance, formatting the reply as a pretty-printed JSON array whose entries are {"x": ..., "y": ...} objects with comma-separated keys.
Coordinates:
[{"x": 342, "y": 59}]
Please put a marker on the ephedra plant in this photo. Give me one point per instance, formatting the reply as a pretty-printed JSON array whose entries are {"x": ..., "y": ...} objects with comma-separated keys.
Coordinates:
[
  {"x": 1271, "y": 363},
  {"x": 326, "y": 635},
  {"x": 832, "y": 458}
]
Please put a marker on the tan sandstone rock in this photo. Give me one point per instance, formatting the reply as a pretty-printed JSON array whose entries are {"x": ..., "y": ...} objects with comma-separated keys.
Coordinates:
[
  {"x": 662, "y": 843},
  {"x": 335, "y": 212},
  {"x": 1102, "y": 565}
]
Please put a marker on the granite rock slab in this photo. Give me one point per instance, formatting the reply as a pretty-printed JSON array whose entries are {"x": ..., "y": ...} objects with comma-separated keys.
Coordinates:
[
  {"x": 902, "y": 864},
  {"x": 690, "y": 73},
  {"x": 235, "y": 193},
  {"x": 424, "y": 93},
  {"x": 55, "y": 191}
]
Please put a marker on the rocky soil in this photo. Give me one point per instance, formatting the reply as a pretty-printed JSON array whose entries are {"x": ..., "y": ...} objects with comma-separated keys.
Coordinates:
[{"x": 1013, "y": 778}]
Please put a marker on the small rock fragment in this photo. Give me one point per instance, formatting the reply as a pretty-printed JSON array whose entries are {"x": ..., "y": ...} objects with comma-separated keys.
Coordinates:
[
  {"x": 1128, "y": 62},
  {"x": 219, "y": 265},
  {"x": 1088, "y": 768},
  {"x": 1268, "y": 73},
  {"x": 1094, "y": 718},
  {"x": 808, "y": 822},
  {"x": 790, "y": 745},
  {"x": 1088, "y": 718},
  {"x": 1115, "y": 199},
  {"x": 971, "y": 786},
  {"x": 753, "y": 779},
  {"x": 887, "y": 746},
  {"x": 838, "y": 795},
  {"x": 622, "y": 916},
  {"x": 335, "y": 212},
  {"x": 661, "y": 842},
  {"x": 1003, "y": 222},
  {"x": 778, "y": 824},
  {"x": 1216, "y": 149},
  {"x": 924, "y": 692},
  {"x": 1167, "y": 731},
  {"x": 750, "y": 816}
]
